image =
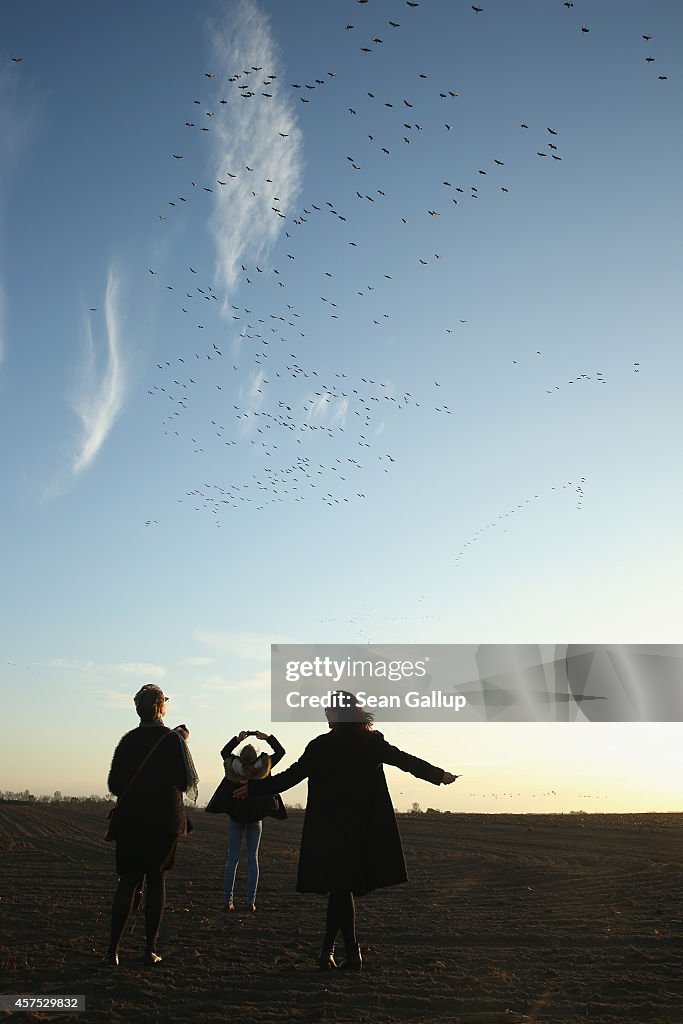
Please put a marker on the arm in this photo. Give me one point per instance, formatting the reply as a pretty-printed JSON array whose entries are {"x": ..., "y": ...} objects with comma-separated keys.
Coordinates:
[
  {"x": 278, "y": 750},
  {"x": 293, "y": 775},
  {"x": 115, "y": 782},
  {"x": 229, "y": 747},
  {"x": 414, "y": 765}
]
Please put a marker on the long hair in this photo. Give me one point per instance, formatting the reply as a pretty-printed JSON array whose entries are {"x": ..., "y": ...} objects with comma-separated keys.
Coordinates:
[{"x": 347, "y": 716}]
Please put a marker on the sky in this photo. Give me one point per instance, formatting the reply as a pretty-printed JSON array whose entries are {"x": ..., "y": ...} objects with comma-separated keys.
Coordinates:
[{"x": 336, "y": 323}]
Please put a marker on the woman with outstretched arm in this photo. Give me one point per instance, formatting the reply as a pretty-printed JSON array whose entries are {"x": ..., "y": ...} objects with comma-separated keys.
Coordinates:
[{"x": 350, "y": 843}]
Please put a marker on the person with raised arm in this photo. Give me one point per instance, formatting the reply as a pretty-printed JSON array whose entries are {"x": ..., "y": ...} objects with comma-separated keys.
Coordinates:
[{"x": 245, "y": 817}]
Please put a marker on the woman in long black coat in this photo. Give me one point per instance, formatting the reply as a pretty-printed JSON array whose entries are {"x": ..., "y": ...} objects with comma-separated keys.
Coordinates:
[{"x": 350, "y": 842}]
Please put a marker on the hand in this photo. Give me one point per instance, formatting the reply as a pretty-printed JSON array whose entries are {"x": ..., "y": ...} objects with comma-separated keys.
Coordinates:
[
  {"x": 243, "y": 792},
  {"x": 448, "y": 778},
  {"x": 183, "y": 730},
  {"x": 242, "y": 736},
  {"x": 261, "y": 735}
]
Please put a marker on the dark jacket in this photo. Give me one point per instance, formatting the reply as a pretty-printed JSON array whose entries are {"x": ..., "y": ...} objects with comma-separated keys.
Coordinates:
[
  {"x": 154, "y": 802},
  {"x": 247, "y": 811},
  {"x": 350, "y": 838}
]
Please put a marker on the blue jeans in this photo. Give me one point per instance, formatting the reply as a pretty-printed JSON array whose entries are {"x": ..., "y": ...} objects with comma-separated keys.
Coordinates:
[{"x": 236, "y": 830}]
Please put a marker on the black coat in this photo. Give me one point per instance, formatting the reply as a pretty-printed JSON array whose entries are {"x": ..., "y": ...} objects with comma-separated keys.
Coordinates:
[
  {"x": 350, "y": 838},
  {"x": 247, "y": 811},
  {"x": 154, "y": 802}
]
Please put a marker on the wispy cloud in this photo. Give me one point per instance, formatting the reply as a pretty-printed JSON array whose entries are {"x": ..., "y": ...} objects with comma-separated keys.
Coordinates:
[
  {"x": 116, "y": 699},
  {"x": 248, "y": 133},
  {"x": 252, "y": 646},
  {"x": 100, "y": 393},
  {"x": 144, "y": 670},
  {"x": 258, "y": 681},
  {"x": 327, "y": 409},
  {"x": 197, "y": 662}
]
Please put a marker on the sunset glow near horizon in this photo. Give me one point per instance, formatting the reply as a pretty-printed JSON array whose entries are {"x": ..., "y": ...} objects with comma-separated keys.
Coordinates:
[{"x": 336, "y": 323}]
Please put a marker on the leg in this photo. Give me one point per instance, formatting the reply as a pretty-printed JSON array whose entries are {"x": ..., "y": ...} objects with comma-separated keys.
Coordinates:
[
  {"x": 347, "y": 926},
  {"x": 138, "y": 897},
  {"x": 154, "y": 911},
  {"x": 326, "y": 958},
  {"x": 120, "y": 911},
  {"x": 253, "y": 831},
  {"x": 235, "y": 830}
]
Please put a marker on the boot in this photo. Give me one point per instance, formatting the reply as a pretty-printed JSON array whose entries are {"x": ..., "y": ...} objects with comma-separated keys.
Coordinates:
[{"x": 353, "y": 961}]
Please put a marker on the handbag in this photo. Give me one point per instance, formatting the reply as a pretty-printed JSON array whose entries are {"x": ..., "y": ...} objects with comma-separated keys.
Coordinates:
[{"x": 114, "y": 820}]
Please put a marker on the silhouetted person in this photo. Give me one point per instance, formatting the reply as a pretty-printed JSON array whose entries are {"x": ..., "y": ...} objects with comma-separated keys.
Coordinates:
[
  {"x": 151, "y": 769},
  {"x": 245, "y": 817},
  {"x": 350, "y": 842}
]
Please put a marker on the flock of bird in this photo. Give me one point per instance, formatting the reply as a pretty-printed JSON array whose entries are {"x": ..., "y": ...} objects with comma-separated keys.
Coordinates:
[
  {"x": 316, "y": 428},
  {"x": 319, "y": 431}
]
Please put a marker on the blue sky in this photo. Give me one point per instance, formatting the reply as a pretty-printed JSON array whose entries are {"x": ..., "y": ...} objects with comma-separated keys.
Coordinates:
[{"x": 463, "y": 427}]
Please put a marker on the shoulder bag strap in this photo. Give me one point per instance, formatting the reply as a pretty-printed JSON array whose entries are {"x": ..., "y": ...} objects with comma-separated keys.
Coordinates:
[{"x": 142, "y": 765}]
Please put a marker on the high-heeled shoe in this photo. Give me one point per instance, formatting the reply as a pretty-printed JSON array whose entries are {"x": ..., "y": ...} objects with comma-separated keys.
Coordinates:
[
  {"x": 151, "y": 958},
  {"x": 353, "y": 961}
]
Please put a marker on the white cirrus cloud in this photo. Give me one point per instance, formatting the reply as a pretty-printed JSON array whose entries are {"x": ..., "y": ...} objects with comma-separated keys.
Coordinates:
[
  {"x": 197, "y": 662},
  {"x": 251, "y": 646},
  {"x": 257, "y": 681},
  {"x": 137, "y": 668},
  {"x": 249, "y": 133},
  {"x": 100, "y": 392},
  {"x": 143, "y": 669},
  {"x": 71, "y": 664},
  {"x": 326, "y": 409},
  {"x": 116, "y": 699},
  {"x": 217, "y": 682}
]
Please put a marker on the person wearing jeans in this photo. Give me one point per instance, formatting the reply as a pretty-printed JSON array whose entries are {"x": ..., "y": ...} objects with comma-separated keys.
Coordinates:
[
  {"x": 245, "y": 817},
  {"x": 252, "y": 834}
]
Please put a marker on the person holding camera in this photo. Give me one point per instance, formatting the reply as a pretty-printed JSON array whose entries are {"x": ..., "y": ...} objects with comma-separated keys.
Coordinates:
[{"x": 245, "y": 817}]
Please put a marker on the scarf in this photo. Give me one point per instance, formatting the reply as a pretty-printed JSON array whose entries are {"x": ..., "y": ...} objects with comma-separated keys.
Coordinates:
[{"x": 191, "y": 777}]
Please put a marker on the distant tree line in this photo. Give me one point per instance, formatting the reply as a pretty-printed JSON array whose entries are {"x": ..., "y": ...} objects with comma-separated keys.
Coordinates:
[
  {"x": 26, "y": 797},
  {"x": 416, "y": 809}
]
